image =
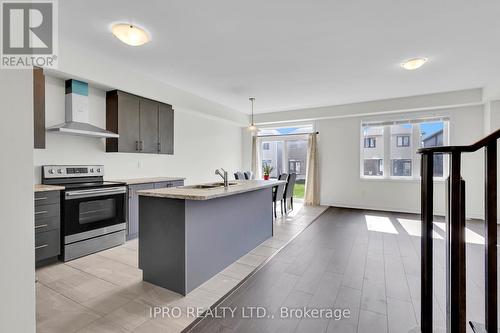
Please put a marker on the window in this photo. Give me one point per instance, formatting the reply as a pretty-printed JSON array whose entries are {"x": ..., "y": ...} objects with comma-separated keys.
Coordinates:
[
  {"x": 285, "y": 149},
  {"x": 397, "y": 143},
  {"x": 370, "y": 142},
  {"x": 433, "y": 135},
  {"x": 401, "y": 152},
  {"x": 373, "y": 154},
  {"x": 403, "y": 141}
]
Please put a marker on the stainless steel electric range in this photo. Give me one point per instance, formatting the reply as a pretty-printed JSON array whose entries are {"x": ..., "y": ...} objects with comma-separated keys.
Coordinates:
[{"x": 93, "y": 216}]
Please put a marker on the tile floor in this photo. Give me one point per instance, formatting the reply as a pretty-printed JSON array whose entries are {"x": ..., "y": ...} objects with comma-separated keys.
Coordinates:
[{"x": 104, "y": 292}]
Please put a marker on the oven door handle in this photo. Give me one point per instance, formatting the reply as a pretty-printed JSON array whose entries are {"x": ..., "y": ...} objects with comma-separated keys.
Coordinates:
[{"x": 98, "y": 192}]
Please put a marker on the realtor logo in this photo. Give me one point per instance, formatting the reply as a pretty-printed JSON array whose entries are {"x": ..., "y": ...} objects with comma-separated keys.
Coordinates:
[{"x": 29, "y": 34}]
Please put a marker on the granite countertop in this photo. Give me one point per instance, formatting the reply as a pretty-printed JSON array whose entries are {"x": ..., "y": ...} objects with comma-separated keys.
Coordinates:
[
  {"x": 189, "y": 193},
  {"x": 146, "y": 180},
  {"x": 45, "y": 188}
]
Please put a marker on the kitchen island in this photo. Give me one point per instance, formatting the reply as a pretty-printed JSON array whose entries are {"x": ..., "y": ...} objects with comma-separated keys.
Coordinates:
[{"x": 189, "y": 234}]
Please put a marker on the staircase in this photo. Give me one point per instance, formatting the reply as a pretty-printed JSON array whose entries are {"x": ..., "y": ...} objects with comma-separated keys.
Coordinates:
[{"x": 455, "y": 237}]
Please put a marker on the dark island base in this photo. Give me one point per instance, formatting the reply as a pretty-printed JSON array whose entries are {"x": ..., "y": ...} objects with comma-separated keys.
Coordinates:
[{"x": 184, "y": 243}]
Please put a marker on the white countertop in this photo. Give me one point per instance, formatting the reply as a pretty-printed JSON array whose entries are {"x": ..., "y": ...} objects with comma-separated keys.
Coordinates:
[
  {"x": 147, "y": 180},
  {"x": 45, "y": 188},
  {"x": 187, "y": 193}
]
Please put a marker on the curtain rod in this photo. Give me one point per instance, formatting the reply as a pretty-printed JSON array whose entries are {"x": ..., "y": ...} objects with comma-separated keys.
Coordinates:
[{"x": 278, "y": 135}]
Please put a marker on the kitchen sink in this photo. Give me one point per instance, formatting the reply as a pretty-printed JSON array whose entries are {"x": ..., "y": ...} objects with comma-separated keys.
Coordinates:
[{"x": 208, "y": 186}]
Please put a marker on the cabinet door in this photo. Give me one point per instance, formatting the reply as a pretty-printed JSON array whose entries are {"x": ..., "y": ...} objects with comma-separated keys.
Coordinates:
[
  {"x": 128, "y": 123},
  {"x": 149, "y": 126},
  {"x": 166, "y": 129},
  {"x": 133, "y": 209}
]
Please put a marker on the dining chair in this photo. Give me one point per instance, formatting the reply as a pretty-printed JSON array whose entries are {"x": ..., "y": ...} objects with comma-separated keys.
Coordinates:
[
  {"x": 278, "y": 194},
  {"x": 239, "y": 175},
  {"x": 249, "y": 175},
  {"x": 288, "y": 193}
]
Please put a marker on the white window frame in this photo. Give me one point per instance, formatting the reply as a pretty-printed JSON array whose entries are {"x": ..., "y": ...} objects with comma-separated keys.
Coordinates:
[{"x": 414, "y": 138}]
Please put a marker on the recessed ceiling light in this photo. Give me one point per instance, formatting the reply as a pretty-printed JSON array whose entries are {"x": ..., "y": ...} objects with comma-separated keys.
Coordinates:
[
  {"x": 415, "y": 63},
  {"x": 130, "y": 34}
]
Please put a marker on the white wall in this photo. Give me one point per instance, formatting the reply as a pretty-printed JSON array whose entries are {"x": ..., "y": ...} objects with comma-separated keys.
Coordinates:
[
  {"x": 394, "y": 105},
  {"x": 246, "y": 151},
  {"x": 341, "y": 184},
  {"x": 202, "y": 143},
  {"x": 17, "y": 276}
]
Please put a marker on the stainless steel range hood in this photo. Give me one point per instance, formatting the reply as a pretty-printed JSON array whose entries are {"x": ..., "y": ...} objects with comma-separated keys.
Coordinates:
[
  {"x": 83, "y": 129},
  {"x": 77, "y": 113}
]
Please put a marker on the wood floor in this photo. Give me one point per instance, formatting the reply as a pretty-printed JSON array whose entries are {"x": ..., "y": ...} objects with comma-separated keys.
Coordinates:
[{"x": 364, "y": 261}]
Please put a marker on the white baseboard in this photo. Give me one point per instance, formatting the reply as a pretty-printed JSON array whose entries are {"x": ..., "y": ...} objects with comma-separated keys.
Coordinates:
[{"x": 396, "y": 210}]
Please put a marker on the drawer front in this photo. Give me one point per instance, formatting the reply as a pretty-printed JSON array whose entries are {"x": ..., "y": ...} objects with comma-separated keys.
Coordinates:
[
  {"x": 47, "y": 223},
  {"x": 46, "y": 211},
  {"x": 47, "y": 198},
  {"x": 47, "y": 244}
]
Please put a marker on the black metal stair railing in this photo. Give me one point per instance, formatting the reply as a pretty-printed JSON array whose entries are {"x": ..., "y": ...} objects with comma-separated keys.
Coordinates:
[{"x": 456, "y": 289}]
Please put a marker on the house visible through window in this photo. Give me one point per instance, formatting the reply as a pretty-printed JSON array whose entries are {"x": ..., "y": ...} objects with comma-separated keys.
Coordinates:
[
  {"x": 433, "y": 135},
  {"x": 295, "y": 166},
  {"x": 285, "y": 149},
  {"x": 401, "y": 151},
  {"x": 398, "y": 143},
  {"x": 373, "y": 154},
  {"x": 401, "y": 168},
  {"x": 374, "y": 167}
]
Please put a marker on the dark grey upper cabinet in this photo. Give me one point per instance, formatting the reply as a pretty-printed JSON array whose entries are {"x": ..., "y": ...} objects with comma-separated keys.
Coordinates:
[
  {"x": 148, "y": 126},
  {"x": 166, "y": 129},
  {"x": 144, "y": 125},
  {"x": 128, "y": 123}
]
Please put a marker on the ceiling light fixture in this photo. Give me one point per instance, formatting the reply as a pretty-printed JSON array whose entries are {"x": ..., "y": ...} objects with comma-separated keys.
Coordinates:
[
  {"x": 252, "y": 126},
  {"x": 414, "y": 63},
  {"x": 130, "y": 34}
]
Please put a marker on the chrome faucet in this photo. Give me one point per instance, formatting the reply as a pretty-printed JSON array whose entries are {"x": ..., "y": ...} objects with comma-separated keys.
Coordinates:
[{"x": 224, "y": 176}]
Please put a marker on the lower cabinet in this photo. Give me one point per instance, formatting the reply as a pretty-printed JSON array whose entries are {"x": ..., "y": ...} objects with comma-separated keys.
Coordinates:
[
  {"x": 47, "y": 226},
  {"x": 47, "y": 245},
  {"x": 133, "y": 203},
  {"x": 133, "y": 209}
]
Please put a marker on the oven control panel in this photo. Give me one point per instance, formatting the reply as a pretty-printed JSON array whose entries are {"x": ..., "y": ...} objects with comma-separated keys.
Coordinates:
[{"x": 71, "y": 171}]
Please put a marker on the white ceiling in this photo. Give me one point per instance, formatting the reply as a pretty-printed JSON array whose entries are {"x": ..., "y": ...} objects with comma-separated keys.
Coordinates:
[{"x": 293, "y": 54}]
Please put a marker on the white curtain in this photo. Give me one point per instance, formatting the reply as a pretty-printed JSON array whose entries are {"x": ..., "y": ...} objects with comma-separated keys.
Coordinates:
[
  {"x": 311, "y": 197},
  {"x": 256, "y": 165}
]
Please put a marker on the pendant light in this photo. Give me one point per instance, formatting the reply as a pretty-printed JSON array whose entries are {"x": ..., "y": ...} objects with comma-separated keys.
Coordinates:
[{"x": 252, "y": 126}]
